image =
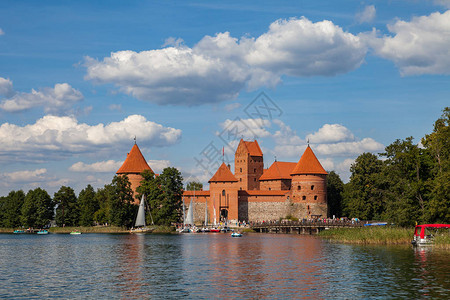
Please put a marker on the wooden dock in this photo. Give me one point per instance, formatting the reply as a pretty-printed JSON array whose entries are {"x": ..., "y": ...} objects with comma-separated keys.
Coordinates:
[{"x": 300, "y": 227}]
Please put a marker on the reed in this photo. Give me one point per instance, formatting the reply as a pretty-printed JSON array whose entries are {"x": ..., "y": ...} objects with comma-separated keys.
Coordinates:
[
  {"x": 90, "y": 229},
  {"x": 385, "y": 235}
]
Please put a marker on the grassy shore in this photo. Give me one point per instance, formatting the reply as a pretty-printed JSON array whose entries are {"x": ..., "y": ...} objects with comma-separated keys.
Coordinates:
[
  {"x": 370, "y": 235},
  {"x": 89, "y": 229}
]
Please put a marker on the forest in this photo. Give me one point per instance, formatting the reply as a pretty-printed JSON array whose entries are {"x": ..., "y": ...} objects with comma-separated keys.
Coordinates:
[{"x": 408, "y": 183}]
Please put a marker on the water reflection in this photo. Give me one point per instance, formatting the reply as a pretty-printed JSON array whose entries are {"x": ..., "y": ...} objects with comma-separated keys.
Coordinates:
[{"x": 201, "y": 266}]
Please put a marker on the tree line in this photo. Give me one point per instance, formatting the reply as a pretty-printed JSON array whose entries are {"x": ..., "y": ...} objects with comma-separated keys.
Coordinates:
[
  {"x": 111, "y": 204},
  {"x": 407, "y": 183}
]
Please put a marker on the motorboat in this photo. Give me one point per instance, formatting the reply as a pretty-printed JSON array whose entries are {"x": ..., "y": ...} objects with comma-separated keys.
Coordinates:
[
  {"x": 19, "y": 231},
  {"x": 75, "y": 232},
  {"x": 424, "y": 234},
  {"x": 42, "y": 231},
  {"x": 236, "y": 234}
]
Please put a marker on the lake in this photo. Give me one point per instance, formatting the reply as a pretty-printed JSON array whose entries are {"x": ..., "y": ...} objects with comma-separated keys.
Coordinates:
[{"x": 205, "y": 266}]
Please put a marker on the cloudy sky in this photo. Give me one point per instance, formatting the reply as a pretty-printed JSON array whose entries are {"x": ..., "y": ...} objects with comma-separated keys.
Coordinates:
[{"x": 80, "y": 79}]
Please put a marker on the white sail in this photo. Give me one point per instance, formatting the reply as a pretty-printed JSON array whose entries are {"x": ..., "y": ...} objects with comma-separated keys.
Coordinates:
[
  {"x": 206, "y": 213},
  {"x": 140, "y": 219},
  {"x": 190, "y": 213},
  {"x": 184, "y": 214}
]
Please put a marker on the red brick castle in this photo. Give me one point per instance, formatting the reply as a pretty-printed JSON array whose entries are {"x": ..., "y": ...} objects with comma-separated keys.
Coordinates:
[{"x": 252, "y": 193}]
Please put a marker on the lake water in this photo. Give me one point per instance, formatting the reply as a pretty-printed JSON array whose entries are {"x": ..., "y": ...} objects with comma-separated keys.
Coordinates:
[{"x": 205, "y": 266}]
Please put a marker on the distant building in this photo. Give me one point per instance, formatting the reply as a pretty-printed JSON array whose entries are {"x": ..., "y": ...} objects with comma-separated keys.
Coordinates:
[
  {"x": 133, "y": 166},
  {"x": 253, "y": 193}
]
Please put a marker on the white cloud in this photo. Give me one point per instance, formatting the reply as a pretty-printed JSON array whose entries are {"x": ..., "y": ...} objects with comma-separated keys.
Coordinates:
[
  {"x": 52, "y": 137},
  {"x": 108, "y": 166},
  {"x": 286, "y": 136},
  {"x": 421, "y": 46},
  {"x": 331, "y": 133},
  {"x": 6, "y": 87},
  {"x": 25, "y": 176},
  {"x": 232, "y": 106},
  {"x": 248, "y": 129},
  {"x": 218, "y": 67},
  {"x": 54, "y": 100},
  {"x": 445, "y": 3},
  {"x": 349, "y": 148},
  {"x": 158, "y": 165},
  {"x": 2, "y": 32},
  {"x": 367, "y": 15},
  {"x": 117, "y": 107}
]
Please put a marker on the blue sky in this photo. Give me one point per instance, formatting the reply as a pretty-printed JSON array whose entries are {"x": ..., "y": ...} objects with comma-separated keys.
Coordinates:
[{"x": 80, "y": 79}]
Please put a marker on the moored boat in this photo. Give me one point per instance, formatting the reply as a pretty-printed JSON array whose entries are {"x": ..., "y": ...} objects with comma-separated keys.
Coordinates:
[
  {"x": 42, "y": 231},
  {"x": 75, "y": 232},
  {"x": 236, "y": 234},
  {"x": 424, "y": 234},
  {"x": 140, "y": 224},
  {"x": 19, "y": 231}
]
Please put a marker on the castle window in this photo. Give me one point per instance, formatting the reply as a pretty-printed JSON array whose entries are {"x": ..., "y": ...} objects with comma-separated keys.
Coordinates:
[
  {"x": 240, "y": 179},
  {"x": 304, "y": 198},
  {"x": 254, "y": 179},
  {"x": 223, "y": 193},
  {"x": 254, "y": 170},
  {"x": 299, "y": 187},
  {"x": 312, "y": 187},
  {"x": 241, "y": 188},
  {"x": 269, "y": 189},
  {"x": 315, "y": 197},
  {"x": 240, "y": 170}
]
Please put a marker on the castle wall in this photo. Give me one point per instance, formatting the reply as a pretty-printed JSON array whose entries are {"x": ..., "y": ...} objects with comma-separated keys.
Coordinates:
[
  {"x": 275, "y": 185},
  {"x": 135, "y": 180}
]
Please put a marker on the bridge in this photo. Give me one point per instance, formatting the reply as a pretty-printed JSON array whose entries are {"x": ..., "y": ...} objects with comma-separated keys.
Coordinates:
[{"x": 302, "y": 227}]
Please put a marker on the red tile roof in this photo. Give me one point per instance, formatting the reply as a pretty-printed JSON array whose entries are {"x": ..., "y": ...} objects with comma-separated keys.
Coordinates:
[
  {"x": 278, "y": 170},
  {"x": 223, "y": 174},
  {"x": 252, "y": 148},
  {"x": 197, "y": 193},
  {"x": 308, "y": 164},
  {"x": 134, "y": 163}
]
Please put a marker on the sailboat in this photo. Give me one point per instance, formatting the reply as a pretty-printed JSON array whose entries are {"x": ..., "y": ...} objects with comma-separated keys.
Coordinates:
[
  {"x": 140, "y": 225},
  {"x": 214, "y": 228},
  {"x": 205, "y": 228}
]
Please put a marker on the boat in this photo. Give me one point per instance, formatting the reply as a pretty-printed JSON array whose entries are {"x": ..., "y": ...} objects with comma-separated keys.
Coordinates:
[
  {"x": 42, "y": 231},
  {"x": 188, "y": 222},
  {"x": 236, "y": 234},
  {"x": 75, "y": 232},
  {"x": 140, "y": 224},
  {"x": 424, "y": 234},
  {"x": 19, "y": 231}
]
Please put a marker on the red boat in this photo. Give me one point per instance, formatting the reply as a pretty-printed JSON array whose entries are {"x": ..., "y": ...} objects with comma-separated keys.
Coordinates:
[{"x": 424, "y": 234}]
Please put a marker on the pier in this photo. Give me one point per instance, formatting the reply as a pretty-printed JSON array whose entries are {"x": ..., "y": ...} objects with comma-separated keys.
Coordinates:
[{"x": 301, "y": 227}]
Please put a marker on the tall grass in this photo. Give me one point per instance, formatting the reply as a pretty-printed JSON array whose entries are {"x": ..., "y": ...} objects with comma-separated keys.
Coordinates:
[
  {"x": 90, "y": 229},
  {"x": 385, "y": 235}
]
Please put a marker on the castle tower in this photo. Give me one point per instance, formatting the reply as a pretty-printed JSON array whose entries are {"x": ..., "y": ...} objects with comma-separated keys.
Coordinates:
[
  {"x": 133, "y": 166},
  {"x": 309, "y": 185},
  {"x": 224, "y": 193},
  {"x": 248, "y": 165}
]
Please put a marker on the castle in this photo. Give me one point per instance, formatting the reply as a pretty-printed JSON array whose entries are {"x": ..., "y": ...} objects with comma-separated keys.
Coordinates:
[{"x": 252, "y": 193}]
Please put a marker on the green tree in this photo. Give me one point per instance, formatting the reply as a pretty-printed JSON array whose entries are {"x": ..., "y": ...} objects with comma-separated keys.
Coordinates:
[
  {"x": 11, "y": 209},
  {"x": 438, "y": 145},
  {"x": 194, "y": 186},
  {"x": 67, "y": 212},
  {"x": 163, "y": 194},
  {"x": 101, "y": 216},
  {"x": 363, "y": 194},
  {"x": 88, "y": 206},
  {"x": 120, "y": 196},
  {"x": 406, "y": 171},
  {"x": 37, "y": 209},
  {"x": 335, "y": 189}
]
